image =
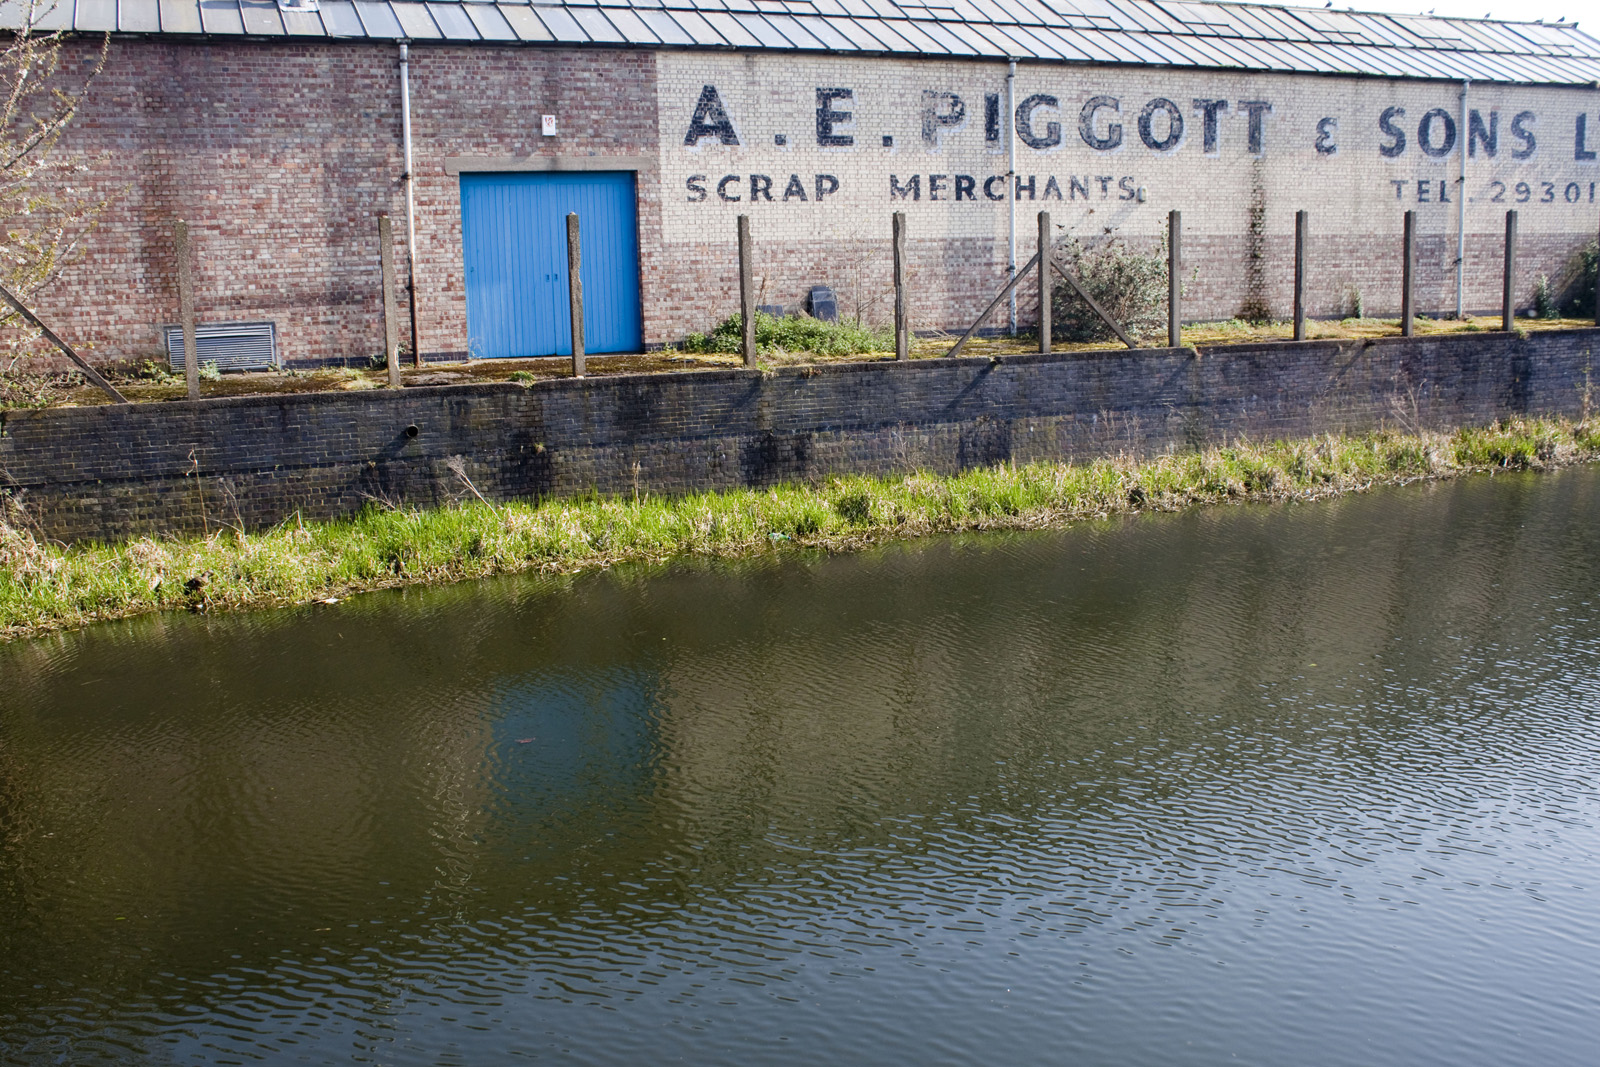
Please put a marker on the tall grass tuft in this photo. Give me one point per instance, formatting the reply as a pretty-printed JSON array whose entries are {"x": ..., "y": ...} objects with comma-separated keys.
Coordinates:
[{"x": 45, "y": 586}]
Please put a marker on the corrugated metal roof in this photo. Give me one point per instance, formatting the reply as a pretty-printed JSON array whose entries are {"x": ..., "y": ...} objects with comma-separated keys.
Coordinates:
[{"x": 1178, "y": 33}]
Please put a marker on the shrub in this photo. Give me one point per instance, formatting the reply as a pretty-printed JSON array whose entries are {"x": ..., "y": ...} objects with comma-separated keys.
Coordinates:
[
  {"x": 157, "y": 371},
  {"x": 23, "y": 388},
  {"x": 791, "y": 334},
  {"x": 1588, "y": 272},
  {"x": 1544, "y": 299},
  {"x": 1355, "y": 302},
  {"x": 1130, "y": 285}
]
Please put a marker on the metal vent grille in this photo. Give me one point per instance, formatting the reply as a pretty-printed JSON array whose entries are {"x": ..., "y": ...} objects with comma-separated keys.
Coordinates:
[{"x": 230, "y": 345}]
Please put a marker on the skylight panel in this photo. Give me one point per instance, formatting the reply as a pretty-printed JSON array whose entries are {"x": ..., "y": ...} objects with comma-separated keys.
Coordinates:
[{"x": 1208, "y": 15}]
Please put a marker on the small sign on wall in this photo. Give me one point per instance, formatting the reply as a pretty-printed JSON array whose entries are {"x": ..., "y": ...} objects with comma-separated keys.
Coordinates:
[{"x": 547, "y": 125}]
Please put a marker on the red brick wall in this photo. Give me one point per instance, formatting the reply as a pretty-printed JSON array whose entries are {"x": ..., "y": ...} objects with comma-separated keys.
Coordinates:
[{"x": 280, "y": 156}]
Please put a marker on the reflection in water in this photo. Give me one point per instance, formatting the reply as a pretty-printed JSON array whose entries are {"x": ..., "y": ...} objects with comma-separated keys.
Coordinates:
[{"x": 1289, "y": 784}]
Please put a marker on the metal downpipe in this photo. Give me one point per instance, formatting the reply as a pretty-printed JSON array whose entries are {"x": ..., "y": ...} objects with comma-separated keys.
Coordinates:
[
  {"x": 411, "y": 205},
  {"x": 1011, "y": 180},
  {"x": 1461, "y": 208}
]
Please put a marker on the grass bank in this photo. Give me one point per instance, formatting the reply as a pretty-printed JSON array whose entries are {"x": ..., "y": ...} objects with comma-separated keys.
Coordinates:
[{"x": 45, "y": 586}]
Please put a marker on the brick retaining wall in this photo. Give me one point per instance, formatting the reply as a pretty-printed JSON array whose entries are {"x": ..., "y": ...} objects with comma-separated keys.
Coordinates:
[{"x": 106, "y": 472}]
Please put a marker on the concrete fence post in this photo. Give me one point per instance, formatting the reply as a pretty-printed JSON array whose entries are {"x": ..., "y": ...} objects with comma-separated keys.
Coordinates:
[
  {"x": 575, "y": 293},
  {"x": 1300, "y": 219},
  {"x": 1408, "y": 307},
  {"x": 747, "y": 293},
  {"x": 1508, "y": 306},
  {"x": 902, "y": 338},
  {"x": 1174, "y": 278},
  {"x": 1045, "y": 240},
  {"x": 391, "y": 319},
  {"x": 191, "y": 355}
]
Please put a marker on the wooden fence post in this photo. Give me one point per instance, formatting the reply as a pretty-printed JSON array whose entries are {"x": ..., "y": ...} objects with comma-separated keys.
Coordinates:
[
  {"x": 391, "y": 323},
  {"x": 747, "y": 294},
  {"x": 1408, "y": 307},
  {"x": 1508, "y": 308},
  {"x": 1174, "y": 278},
  {"x": 575, "y": 293},
  {"x": 191, "y": 355},
  {"x": 1300, "y": 218},
  {"x": 902, "y": 339},
  {"x": 1044, "y": 281}
]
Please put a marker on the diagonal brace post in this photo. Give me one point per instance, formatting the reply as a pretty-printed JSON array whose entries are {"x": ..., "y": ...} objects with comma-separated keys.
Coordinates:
[
  {"x": 1078, "y": 288},
  {"x": 50, "y": 335},
  {"x": 1012, "y": 284},
  {"x": 1016, "y": 278}
]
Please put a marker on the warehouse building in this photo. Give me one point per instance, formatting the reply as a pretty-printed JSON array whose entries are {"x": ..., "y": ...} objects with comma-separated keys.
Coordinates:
[{"x": 279, "y": 130}]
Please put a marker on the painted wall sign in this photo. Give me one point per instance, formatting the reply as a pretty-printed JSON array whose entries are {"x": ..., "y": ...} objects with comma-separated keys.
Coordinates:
[{"x": 827, "y": 145}]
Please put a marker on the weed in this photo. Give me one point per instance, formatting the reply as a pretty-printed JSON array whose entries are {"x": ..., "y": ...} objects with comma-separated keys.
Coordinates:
[
  {"x": 23, "y": 388},
  {"x": 1544, "y": 299},
  {"x": 1131, "y": 286},
  {"x": 855, "y": 506},
  {"x": 210, "y": 372},
  {"x": 1587, "y": 271},
  {"x": 792, "y": 334},
  {"x": 1355, "y": 302}
]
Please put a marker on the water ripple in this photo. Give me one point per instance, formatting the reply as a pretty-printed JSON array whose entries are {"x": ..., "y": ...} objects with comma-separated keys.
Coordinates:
[{"x": 1274, "y": 784}]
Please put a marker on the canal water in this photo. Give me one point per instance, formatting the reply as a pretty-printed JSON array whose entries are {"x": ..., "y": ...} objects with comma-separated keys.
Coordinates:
[{"x": 1269, "y": 785}]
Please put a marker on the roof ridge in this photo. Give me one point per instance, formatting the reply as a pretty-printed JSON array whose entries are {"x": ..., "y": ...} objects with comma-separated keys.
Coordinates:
[{"x": 1281, "y": 37}]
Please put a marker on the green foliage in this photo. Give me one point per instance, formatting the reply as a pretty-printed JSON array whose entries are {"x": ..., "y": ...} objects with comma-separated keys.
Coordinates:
[
  {"x": 44, "y": 585},
  {"x": 793, "y": 334},
  {"x": 523, "y": 377},
  {"x": 1355, "y": 301},
  {"x": 1544, "y": 299},
  {"x": 1130, "y": 285},
  {"x": 210, "y": 372},
  {"x": 1588, "y": 274},
  {"x": 151, "y": 370},
  {"x": 24, "y": 388}
]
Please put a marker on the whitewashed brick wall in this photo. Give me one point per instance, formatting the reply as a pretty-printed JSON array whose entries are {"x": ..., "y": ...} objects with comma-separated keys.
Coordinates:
[{"x": 1238, "y": 203}]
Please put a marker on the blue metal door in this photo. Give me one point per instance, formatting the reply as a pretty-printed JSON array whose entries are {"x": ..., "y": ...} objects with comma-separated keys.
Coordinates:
[{"x": 514, "y": 247}]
